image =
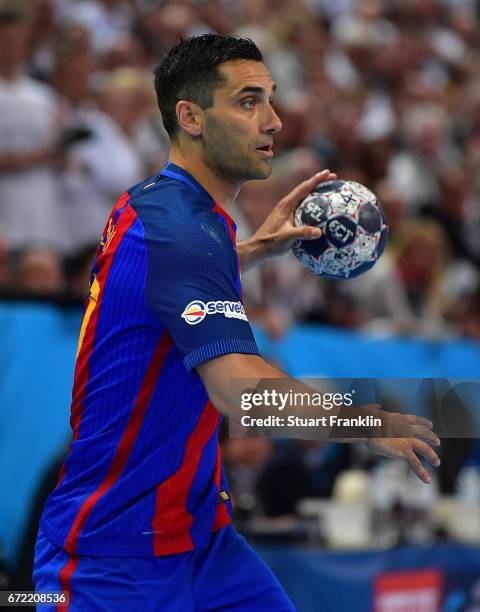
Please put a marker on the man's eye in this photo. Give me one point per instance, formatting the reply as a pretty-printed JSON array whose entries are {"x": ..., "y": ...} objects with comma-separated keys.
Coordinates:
[{"x": 249, "y": 103}]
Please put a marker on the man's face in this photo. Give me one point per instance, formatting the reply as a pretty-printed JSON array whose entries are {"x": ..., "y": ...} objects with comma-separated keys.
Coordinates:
[{"x": 239, "y": 127}]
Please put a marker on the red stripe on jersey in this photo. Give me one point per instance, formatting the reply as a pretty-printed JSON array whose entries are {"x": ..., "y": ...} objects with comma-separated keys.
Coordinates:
[
  {"x": 222, "y": 517},
  {"x": 122, "y": 201},
  {"x": 230, "y": 222},
  {"x": 104, "y": 261},
  {"x": 66, "y": 581},
  {"x": 231, "y": 225},
  {"x": 172, "y": 494},
  {"x": 127, "y": 441}
]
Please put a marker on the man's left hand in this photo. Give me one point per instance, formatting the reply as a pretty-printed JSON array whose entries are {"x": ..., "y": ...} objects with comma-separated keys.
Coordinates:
[{"x": 278, "y": 233}]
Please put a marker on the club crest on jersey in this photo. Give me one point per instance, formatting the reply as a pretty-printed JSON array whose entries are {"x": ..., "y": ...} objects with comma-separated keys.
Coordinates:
[
  {"x": 197, "y": 310},
  {"x": 107, "y": 236}
]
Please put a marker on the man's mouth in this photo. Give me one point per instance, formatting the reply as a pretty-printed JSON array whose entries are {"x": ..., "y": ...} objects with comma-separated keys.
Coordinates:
[{"x": 266, "y": 150}]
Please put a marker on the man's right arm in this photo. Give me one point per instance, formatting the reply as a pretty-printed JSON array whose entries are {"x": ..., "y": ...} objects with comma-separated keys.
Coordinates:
[{"x": 402, "y": 436}]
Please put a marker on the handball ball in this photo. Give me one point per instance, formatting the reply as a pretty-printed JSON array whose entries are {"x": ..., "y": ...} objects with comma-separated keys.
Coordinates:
[{"x": 354, "y": 226}]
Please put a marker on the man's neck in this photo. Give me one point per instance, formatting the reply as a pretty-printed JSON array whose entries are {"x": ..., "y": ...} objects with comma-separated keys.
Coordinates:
[{"x": 221, "y": 190}]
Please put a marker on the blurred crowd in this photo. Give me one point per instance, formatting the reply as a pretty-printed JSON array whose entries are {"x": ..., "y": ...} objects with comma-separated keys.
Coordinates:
[{"x": 385, "y": 92}]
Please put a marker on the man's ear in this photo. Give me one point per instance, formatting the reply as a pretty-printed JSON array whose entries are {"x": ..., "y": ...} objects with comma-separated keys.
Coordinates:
[{"x": 189, "y": 117}]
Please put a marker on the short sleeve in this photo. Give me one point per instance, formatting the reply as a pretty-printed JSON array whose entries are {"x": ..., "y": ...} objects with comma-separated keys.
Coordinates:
[{"x": 192, "y": 289}]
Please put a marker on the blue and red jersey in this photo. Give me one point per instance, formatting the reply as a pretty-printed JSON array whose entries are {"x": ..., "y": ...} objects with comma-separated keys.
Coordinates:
[{"x": 143, "y": 475}]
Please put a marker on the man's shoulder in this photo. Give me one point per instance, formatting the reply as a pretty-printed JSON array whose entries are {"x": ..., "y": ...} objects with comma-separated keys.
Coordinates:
[
  {"x": 163, "y": 203},
  {"x": 160, "y": 188}
]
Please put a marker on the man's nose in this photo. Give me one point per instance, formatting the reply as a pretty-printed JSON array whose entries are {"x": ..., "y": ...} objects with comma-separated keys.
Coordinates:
[{"x": 273, "y": 125}]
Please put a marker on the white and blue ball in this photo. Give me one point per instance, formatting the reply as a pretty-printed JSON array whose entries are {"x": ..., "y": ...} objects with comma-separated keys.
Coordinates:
[{"x": 355, "y": 230}]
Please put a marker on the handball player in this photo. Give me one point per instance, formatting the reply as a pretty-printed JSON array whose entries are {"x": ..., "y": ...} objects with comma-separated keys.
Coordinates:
[{"x": 141, "y": 516}]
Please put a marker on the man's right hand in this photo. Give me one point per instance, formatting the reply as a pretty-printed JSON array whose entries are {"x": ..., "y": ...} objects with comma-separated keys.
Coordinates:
[
  {"x": 399, "y": 436},
  {"x": 408, "y": 437}
]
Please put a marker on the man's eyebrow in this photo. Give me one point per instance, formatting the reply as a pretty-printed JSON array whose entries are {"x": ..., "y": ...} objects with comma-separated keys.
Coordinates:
[{"x": 255, "y": 89}]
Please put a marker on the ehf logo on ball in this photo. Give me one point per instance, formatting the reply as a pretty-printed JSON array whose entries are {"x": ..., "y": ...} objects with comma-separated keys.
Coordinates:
[
  {"x": 340, "y": 231},
  {"x": 194, "y": 313},
  {"x": 355, "y": 230}
]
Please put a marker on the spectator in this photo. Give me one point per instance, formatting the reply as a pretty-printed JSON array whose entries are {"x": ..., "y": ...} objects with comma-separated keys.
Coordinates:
[
  {"x": 100, "y": 161},
  {"x": 466, "y": 316},
  {"x": 127, "y": 97},
  {"x": 40, "y": 272},
  {"x": 30, "y": 205},
  {"x": 105, "y": 20},
  {"x": 416, "y": 171},
  {"x": 243, "y": 458},
  {"x": 421, "y": 260}
]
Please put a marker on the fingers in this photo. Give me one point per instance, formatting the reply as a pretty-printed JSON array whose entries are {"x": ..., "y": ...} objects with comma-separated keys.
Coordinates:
[
  {"x": 426, "y": 451},
  {"x": 416, "y": 465},
  {"x": 375, "y": 407},
  {"x": 291, "y": 200},
  {"x": 417, "y": 420},
  {"x": 426, "y": 434},
  {"x": 306, "y": 232}
]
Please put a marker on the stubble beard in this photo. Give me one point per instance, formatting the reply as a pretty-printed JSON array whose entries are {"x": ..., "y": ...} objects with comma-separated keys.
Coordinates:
[{"x": 225, "y": 157}]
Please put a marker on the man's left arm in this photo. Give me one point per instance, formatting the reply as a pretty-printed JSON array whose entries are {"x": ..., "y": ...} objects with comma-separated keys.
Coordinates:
[{"x": 278, "y": 233}]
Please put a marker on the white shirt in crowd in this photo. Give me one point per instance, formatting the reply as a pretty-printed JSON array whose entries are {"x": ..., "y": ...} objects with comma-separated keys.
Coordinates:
[
  {"x": 99, "y": 170},
  {"x": 30, "y": 202}
]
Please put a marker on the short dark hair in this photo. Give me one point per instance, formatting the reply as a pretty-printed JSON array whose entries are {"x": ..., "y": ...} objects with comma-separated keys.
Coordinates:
[{"x": 189, "y": 71}]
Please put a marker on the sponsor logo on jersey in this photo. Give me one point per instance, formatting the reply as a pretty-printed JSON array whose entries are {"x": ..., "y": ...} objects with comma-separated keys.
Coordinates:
[
  {"x": 197, "y": 310},
  {"x": 194, "y": 313}
]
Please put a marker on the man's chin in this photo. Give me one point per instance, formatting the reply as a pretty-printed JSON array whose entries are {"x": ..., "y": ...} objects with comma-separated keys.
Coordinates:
[
  {"x": 262, "y": 170},
  {"x": 268, "y": 172}
]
